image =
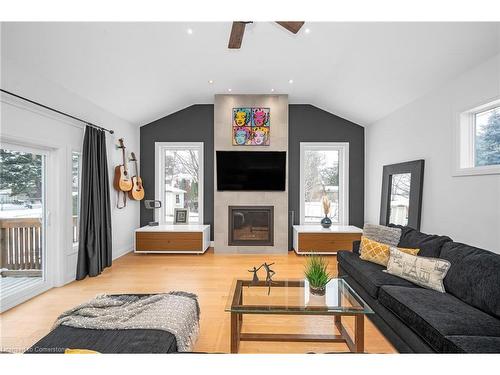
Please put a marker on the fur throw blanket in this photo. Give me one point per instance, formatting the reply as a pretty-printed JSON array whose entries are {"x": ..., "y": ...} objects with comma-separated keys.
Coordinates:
[{"x": 174, "y": 312}]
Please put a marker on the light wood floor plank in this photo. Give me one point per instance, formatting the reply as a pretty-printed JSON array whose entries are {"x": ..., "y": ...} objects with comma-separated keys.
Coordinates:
[{"x": 210, "y": 276}]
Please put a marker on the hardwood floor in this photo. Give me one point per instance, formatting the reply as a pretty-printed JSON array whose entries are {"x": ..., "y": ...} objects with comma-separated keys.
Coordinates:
[{"x": 208, "y": 275}]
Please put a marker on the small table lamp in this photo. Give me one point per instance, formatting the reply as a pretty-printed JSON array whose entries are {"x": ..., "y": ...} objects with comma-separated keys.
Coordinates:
[{"x": 152, "y": 205}]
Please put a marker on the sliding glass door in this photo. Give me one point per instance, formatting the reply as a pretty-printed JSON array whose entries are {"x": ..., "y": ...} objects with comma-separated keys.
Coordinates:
[{"x": 22, "y": 222}]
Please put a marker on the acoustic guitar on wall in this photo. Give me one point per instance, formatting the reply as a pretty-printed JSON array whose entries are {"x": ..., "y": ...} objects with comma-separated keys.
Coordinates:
[
  {"x": 122, "y": 181},
  {"x": 137, "y": 192}
]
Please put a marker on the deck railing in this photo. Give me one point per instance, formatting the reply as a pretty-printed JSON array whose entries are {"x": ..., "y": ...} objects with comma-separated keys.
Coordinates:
[{"x": 21, "y": 244}]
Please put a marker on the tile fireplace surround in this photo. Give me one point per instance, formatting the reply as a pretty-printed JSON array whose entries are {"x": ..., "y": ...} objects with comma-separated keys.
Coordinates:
[{"x": 278, "y": 105}]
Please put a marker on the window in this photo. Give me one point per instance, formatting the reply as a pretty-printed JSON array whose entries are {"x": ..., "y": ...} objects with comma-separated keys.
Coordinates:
[
  {"x": 179, "y": 179},
  {"x": 75, "y": 194},
  {"x": 324, "y": 172},
  {"x": 487, "y": 137},
  {"x": 478, "y": 140}
]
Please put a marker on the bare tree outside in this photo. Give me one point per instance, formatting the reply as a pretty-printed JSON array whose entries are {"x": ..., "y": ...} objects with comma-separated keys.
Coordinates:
[
  {"x": 400, "y": 198},
  {"x": 182, "y": 171},
  {"x": 400, "y": 186},
  {"x": 321, "y": 177}
]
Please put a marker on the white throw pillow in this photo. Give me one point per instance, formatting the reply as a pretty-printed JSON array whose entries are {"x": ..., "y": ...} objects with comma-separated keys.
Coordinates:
[{"x": 426, "y": 272}]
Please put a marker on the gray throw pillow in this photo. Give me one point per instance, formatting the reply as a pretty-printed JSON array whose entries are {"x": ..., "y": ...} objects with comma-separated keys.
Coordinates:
[
  {"x": 426, "y": 272},
  {"x": 380, "y": 233}
]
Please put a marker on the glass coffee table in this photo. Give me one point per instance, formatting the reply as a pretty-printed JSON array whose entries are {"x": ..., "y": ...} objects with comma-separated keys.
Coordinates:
[{"x": 292, "y": 297}]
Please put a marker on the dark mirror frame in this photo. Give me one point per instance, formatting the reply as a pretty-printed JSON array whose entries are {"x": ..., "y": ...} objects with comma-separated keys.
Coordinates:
[{"x": 416, "y": 168}]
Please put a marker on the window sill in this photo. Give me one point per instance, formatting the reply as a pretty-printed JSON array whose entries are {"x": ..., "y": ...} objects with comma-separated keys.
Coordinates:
[
  {"x": 319, "y": 223},
  {"x": 477, "y": 171}
]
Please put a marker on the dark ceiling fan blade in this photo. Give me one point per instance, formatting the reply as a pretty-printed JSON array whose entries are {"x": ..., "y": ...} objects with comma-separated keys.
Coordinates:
[
  {"x": 236, "y": 36},
  {"x": 292, "y": 26}
]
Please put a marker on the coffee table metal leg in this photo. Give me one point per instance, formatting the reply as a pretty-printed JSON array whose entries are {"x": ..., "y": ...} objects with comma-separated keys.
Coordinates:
[
  {"x": 235, "y": 332},
  {"x": 359, "y": 333}
]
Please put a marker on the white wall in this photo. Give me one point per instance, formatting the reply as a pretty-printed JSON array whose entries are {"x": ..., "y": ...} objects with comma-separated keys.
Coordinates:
[
  {"x": 465, "y": 208},
  {"x": 27, "y": 123}
]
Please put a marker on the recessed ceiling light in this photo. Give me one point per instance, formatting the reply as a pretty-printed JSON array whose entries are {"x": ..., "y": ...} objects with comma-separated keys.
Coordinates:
[
  {"x": 272, "y": 90},
  {"x": 307, "y": 31},
  {"x": 290, "y": 81},
  {"x": 210, "y": 81},
  {"x": 229, "y": 90},
  {"x": 189, "y": 31}
]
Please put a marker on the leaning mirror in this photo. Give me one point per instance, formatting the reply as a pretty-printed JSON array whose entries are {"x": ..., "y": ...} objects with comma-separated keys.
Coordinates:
[{"x": 401, "y": 201}]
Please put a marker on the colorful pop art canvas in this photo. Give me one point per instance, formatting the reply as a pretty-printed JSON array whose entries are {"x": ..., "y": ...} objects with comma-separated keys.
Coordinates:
[
  {"x": 242, "y": 135},
  {"x": 251, "y": 126},
  {"x": 242, "y": 117},
  {"x": 260, "y": 117}
]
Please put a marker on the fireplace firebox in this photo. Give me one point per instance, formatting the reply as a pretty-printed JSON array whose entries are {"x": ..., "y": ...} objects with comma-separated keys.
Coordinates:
[{"x": 251, "y": 226}]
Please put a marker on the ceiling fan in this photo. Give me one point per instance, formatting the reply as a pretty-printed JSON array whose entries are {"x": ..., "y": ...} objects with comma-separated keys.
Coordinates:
[{"x": 238, "y": 30}]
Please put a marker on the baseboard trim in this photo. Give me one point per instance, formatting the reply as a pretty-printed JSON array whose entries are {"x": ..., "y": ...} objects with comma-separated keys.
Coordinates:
[
  {"x": 123, "y": 251},
  {"x": 128, "y": 249}
]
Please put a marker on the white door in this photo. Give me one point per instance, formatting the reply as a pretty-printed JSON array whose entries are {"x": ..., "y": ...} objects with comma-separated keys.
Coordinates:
[{"x": 23, "y": 223}]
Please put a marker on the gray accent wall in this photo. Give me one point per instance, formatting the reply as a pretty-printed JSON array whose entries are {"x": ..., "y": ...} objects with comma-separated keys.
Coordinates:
[
  {"x": 191, "y": 124},
  {"x": 306, "y": 124}
]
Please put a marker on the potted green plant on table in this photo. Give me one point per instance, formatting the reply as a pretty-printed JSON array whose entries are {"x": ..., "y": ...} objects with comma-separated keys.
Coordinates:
[{"x": 316, "y": 272}]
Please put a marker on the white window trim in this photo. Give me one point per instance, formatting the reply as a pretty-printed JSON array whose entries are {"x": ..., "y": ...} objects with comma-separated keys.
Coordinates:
[
  {"x": 464, "y": 142},
  {"x": 160, "y": 178},
  {"x": 343, "y": 149}
]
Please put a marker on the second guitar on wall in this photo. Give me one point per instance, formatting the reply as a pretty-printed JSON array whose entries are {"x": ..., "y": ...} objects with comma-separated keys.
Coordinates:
[{"x": 123, "y": 183}]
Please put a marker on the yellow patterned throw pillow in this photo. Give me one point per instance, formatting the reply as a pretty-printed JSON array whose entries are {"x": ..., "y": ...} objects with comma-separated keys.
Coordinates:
[
  {"x": 377, "y": 252},
  {"x": 80, "y": 351}
]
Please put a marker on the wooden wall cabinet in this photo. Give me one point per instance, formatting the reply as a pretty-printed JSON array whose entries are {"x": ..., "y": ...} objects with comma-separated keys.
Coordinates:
[
  {"x": 190, "y": 239},
  {"x": 314, "y": 239}
]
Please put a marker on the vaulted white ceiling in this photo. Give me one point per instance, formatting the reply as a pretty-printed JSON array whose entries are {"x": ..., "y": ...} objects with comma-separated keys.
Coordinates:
[{"x": 143, "y": 71}]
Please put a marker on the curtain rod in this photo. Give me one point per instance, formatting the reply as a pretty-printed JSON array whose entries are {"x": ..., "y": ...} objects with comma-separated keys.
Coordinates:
[{"x": 57, "y": 111}]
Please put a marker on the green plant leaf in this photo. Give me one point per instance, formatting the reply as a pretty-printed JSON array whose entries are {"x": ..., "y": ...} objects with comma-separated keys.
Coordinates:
[{"x": 316, "y": 271}]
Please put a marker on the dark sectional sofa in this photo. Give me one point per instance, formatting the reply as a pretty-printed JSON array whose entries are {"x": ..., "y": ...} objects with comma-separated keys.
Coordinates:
[{"x": 465, "y": 319}]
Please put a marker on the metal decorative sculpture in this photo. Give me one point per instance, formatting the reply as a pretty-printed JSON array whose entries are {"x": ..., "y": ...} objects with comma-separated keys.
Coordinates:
[
  {"x": 255, "y": 279},
  {"x": 269, "y": 275}
]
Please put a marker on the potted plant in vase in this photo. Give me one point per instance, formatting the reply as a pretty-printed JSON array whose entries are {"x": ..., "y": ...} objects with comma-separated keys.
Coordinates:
[
  {"x": 316, "y": 272},
  {"x": 326, "y": 222}
]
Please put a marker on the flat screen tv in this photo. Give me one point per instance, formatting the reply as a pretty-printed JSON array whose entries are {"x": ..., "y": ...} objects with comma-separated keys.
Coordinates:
[{"x": 251, "y": 170}]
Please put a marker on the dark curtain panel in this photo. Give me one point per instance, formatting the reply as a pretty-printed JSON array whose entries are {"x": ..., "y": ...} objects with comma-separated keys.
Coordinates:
[{"x": 94, "y": 248}]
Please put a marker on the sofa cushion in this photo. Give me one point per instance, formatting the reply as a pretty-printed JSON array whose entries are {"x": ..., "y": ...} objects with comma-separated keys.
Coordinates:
[
  {"x": 474, "y": 276},
  {"x": 355, "y": 246},
  {"x": 434, "y": 315},
  {"x": 368, "y": 275},
  {"x": 426, "y": 272},
  {"x": 472, "y": 344},
  {"x": 383, "y": 234},
  {"x": 429, "y": 244},
  {"x": 378, "y": 252}
]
